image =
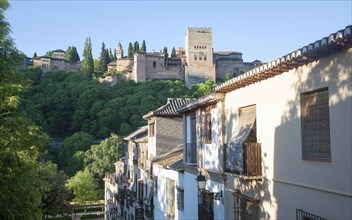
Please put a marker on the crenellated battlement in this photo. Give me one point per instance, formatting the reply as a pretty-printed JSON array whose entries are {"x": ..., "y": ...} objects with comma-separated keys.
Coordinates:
[{"x": 200, "y": 29}]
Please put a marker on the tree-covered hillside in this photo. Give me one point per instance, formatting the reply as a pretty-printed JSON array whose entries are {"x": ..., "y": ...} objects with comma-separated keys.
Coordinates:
[{"x": 64, "y": 103}]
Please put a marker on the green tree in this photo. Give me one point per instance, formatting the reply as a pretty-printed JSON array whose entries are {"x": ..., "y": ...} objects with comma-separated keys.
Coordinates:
[
  {"x": 35, "y": 54},
  {"x": 143, "y": 47},
  {"x": 130, "y": 50},
  {"x": 72, "y": 54},
  {"x": 49, "y": 53},
  {"x": 20, "y": 140},
  {"x": 68, "y": 159},
  {"x": 88, "y": 62},
  {"x": 135, "y": 47},
  {"x": 204, "y": 88},
  {"x": 96, "y": 65},
  {"x": 98, "y": 157},
  {"x": 173, "y": 52},
  {"x": 165, "y": 51},
  {"x": 84, "y": 187},
  {"x": 104, "y": 59},
  {"x": 55, "y": 197},
  {"x": 111, "y": 56}
]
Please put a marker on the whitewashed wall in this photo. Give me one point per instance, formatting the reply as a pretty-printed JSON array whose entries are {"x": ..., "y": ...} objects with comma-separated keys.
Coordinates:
[
  {"x": 191, "y": 196},
  {"x": 290, "y": 183},
  {"x": 160, "y": 209}
]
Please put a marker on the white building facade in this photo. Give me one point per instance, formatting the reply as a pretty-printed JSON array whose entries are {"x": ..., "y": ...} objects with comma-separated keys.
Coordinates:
[{"x": 276, "y": 141}]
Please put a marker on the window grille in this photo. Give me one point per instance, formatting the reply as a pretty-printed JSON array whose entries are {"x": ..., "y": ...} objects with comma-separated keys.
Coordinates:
[
  {"x": 180, "y": 198},
  {"x": 315, "y": 125},
  {"x": 302, "y": 215},
  {"x": 246, "y": 208}
]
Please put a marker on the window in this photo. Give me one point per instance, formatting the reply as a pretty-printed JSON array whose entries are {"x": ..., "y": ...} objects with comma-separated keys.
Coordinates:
[
  {"x": 191, "y": 156},
  {"x": 155, "y": 185},
  {"x": 151, "y": 129},
  {"x": 243, "y": 153},
  {"x": 206, "y": 205},
  {"x": 170, "y": 195},
  {"x": 245, "y": 207},
  {"x": 207, "y": 126},
  {"x": 180, "y": 198},
  {"x": 195, "y": 57},
  {"x": 200, "y": 58},
  {"x": 154, "y": 64},
  {"x": 205, "y": 57},
  {"x": 315, "y": 125}
]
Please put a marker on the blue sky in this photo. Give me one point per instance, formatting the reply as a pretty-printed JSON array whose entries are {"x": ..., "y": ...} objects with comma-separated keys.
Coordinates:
[{"x": 263, "y": 30}]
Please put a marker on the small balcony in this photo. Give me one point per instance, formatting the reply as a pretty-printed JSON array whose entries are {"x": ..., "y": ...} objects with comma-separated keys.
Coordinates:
[
  {"x": 244, "y": 160},
  {"x": 302, "y": 215}
]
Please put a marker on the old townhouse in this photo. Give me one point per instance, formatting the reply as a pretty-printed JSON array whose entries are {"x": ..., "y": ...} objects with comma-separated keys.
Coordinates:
[
  {"x": 275, "y": 142},
  {"x": 137, "y": 176},
  {"x": 56, "y": 62},
  {"x": 168, "y": 189}
]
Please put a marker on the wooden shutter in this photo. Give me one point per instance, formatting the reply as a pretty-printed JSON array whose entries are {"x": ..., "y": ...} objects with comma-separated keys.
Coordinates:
[{"x": 315, "y": 125}]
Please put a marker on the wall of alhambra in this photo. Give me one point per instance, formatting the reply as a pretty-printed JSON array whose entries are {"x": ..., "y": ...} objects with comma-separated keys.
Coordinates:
[{"x": 156, "y": 69}]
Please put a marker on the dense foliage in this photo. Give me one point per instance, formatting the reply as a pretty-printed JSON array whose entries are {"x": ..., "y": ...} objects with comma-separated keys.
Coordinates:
[
  {"x": 72, "y": 54},
  {"x": 65, "y": 103},
  {"x": 26, "y": 182}
]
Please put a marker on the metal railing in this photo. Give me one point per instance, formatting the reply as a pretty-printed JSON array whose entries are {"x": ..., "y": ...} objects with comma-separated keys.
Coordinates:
[{"x": 302, "y": 215}]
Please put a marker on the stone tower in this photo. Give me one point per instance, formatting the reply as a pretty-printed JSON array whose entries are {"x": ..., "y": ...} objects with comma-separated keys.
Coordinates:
[
  {"x": 119, "y": 51},
  {"x": 199, "y": 52}
]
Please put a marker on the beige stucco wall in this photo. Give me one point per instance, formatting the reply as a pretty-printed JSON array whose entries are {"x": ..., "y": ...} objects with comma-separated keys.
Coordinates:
[
  {"x": 124, "y": 65},
  {"x": 290, "y": 183}
]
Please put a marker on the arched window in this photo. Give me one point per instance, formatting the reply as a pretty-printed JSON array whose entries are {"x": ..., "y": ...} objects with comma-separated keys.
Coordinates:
[{"x": 154, "y": 64}]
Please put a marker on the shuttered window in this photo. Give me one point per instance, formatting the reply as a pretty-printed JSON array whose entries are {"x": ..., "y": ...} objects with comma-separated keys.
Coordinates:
[{"x": 315, "y": 125}]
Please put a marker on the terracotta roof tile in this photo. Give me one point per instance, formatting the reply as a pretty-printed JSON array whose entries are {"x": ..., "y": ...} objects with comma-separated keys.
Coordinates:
[
  {"x": 170, "y": 108},
  {"x": 137, "y": 134}
]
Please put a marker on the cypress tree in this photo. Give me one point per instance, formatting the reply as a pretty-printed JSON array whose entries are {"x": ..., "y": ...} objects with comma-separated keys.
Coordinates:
[
  {"x": 143, "y": 47},
  {"x": 135, "y": 47},
  {"x": 87, "y": 62},
  {"x": 173, "y": 52},
  {"x": 130, "y": 50}
]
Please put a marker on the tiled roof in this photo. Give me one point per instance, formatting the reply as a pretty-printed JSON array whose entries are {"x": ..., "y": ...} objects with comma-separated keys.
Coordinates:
[
  {"x": 59, "y": 50},
  {"x": 229, "y": 59},
  {"x": 311, "y": 52},
  {"x": 169, "y": 109},
  {"x": 171, "y": 160},
  {"x": 226, "y": 53},
  {"x": 140, "y": 133},
  {"x": 202, "y": 101},
  {"x": 112, "y": 63}
]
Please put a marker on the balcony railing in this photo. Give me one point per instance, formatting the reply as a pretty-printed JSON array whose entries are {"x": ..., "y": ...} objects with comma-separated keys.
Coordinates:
[
  {"x": 244, "y": 159},
  {"x": 191, "y": 152},
  {"x": 302, "y": 215}
]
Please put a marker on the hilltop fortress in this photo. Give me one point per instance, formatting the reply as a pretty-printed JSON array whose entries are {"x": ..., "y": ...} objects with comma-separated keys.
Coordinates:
[{"x": 194, "y": 64}]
